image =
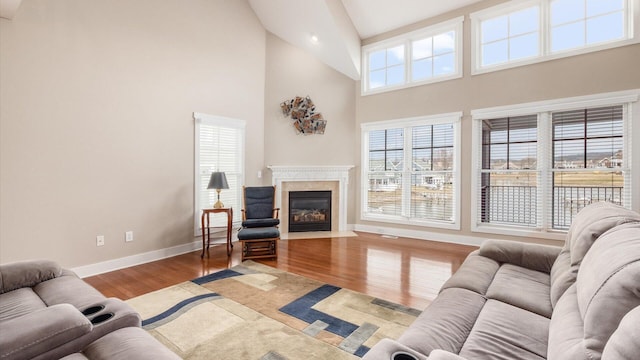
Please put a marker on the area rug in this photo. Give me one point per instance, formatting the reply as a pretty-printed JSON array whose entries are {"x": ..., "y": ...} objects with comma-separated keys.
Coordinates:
[{"x": 253, "y": 311}]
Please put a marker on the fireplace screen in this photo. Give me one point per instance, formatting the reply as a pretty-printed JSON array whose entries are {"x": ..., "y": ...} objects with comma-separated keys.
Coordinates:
[{"x": 309, "y": 211}]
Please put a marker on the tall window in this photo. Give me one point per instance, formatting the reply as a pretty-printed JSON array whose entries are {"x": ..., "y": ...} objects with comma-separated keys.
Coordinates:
[
  {"x": 219, "y": 146},
  {"x": 509, "y": 170},
  {"x": 588, "y": 158},
  {"x": 410, "y": 172},
  {"x": 423, "y": 56},
  {"x": 523, "y": 32},
  {"x": 536, "y": 171}
]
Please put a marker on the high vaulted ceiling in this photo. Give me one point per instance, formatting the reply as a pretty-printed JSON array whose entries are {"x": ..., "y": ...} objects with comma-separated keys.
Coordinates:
[{"x": 339, "y": 25}]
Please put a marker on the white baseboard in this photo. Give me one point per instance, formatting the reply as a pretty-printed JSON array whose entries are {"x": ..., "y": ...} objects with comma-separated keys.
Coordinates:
[
  {"x": 128, "y": 261},
  {"x": 421, "y": 235}
]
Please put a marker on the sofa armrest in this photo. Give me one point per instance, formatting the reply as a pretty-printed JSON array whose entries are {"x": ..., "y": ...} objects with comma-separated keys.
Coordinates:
[
  {"x": 27, "y": 274},
  {"x": 386, "y": 348},
  {"x": 35, "y": 333},
  {"x": 531, "y": 256},
  {"x": 438, "y": 354}
]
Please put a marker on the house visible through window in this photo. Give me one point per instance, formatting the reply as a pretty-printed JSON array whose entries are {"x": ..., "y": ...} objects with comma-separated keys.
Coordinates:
[
  {"x": 411, "y": 171},
  {"x": 219, "y": 146},
  {"x": 537, "y": 171}
]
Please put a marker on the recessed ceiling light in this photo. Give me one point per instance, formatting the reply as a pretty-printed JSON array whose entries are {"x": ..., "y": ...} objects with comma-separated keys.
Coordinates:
[{"x": 314, "y": 39}]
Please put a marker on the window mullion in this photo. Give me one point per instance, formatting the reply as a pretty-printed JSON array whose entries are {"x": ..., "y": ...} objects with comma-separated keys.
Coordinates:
[
  {"x": 545, "y": 172},
  {"x": 407, "y": 172}
]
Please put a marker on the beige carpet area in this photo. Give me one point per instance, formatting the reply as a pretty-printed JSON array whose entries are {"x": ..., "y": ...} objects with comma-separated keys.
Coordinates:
[{"x": 253, "y": 311}]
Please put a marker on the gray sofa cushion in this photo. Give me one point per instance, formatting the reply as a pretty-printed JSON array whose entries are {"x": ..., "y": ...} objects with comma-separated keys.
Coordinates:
[
  {"x": 531, "y": 256},
  {"x": 19, "y": 302},
  {"x": 33, "y": 334},
  {"x": 475, "y": 274},
  {"x": 508, "y": 285},
  {"x": 27, "y": 274},
  {"x": 591, "y": 222},
  {"x": 446, "y": 323},
  {"x": 608, "y": 284},
  {"x": 506, "y": 332},
  {"x": 624, "y": 344}
]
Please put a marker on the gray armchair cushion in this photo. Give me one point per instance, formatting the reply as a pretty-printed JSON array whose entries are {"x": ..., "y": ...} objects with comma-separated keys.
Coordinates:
[
  {"x": 36, "y": 333},
  {"x": 128, "y": 343},
  {"x": 27, "y": 274}
]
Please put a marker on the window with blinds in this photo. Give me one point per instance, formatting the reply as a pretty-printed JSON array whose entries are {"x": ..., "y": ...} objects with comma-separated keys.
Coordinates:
[
  {"x": 411, "y": 171},
  {"x": 588, "y": 160},
  {"x": 509, "y": 173},
  {"x": 219, "y": 146},
  {"x": 538, "y": 171}
]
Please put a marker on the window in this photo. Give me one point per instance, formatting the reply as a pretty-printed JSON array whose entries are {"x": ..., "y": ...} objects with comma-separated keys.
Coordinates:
[
  {"x": 424, "y": 56},
  {"x": 519, "y": 33},
  {"x": 511, "y": 36},
  {"x": 579, "y": 23},
  {"x": 219, "y": 146},
  {"x": 410, "y": 172},
  {"x": 538, "y": 168}
]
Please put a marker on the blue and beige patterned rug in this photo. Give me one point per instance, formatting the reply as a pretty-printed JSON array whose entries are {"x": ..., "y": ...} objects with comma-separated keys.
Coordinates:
[{"x": 253, "y": 311}]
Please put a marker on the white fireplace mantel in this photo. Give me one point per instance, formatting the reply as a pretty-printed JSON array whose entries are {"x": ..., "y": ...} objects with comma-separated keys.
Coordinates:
[{"x": 339, "y": 173}]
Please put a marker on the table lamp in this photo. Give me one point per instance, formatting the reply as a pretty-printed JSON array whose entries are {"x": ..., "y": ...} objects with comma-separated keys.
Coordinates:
[{"x": 218, "y": 181}]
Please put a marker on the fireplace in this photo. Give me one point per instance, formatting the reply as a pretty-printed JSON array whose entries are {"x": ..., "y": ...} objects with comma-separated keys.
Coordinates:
[{"x": 309, "y": 211}]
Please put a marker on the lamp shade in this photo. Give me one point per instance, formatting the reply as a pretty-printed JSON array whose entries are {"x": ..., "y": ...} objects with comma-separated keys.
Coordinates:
[{"x": 218, "y": 181}]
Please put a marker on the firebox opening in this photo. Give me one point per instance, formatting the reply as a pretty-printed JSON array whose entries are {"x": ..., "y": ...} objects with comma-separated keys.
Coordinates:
[{"x": 309, "y": 211}]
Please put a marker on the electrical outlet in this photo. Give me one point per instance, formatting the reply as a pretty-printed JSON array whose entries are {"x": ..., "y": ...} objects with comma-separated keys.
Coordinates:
[
  {"x": 128, "y": 236},
  {"x": 100, "y": 240}
]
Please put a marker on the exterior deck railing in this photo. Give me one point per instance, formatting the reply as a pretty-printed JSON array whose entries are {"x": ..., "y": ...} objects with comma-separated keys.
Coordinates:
[{"x": 517, "y": 205}]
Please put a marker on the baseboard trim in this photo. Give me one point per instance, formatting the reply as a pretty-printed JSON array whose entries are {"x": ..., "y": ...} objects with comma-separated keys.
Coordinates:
[
  {"x": 137, "y": 259},
  {"x": 421, "y": 235}
]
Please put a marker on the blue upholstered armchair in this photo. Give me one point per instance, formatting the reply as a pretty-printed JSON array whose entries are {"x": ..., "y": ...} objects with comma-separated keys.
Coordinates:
[{"x": 259, "y": 208}]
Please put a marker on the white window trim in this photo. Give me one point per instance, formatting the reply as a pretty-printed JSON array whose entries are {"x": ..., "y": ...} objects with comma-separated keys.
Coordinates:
[
  {"x": 633, "y": 35},
  {"x": 200, "y": 119},
  {"x": 448, "y": 118},
  {"x": 455, "y": 24},
  {"x": 632, "y": 165}
]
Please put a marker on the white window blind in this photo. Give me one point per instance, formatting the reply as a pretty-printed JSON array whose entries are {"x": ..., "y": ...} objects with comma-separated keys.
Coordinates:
[
  {"x": 588, "y": 160},
  {"x": 219, "y": 147},
  {"x": 411, "y": 171},
  {"x": 536, "y": 171}
]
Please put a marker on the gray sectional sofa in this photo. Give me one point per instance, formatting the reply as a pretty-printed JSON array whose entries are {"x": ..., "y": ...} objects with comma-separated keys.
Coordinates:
[
  {"x": 47, "y": 312},
  {"x": 514, "y": 300}
]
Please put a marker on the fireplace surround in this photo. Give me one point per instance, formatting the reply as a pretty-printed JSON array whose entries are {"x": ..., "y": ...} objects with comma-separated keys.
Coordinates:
[{"x": 313, "y": 178}]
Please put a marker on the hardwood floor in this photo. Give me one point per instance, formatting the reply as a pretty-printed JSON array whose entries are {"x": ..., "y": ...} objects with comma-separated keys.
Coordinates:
[{"x": 401, "y": 270}]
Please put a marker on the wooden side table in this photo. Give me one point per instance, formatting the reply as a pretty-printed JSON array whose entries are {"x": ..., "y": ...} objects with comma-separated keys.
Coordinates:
[{"x": 206, "y": 230}]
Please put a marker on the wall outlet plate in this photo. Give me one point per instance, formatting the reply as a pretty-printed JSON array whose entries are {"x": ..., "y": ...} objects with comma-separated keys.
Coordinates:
[
  {"x": 100, "y": 240},
  {"x": 128, "y": 236}
]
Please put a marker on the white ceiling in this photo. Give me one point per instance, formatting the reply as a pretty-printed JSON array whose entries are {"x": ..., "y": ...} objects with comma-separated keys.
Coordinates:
[
  {"x": 374, "y": 17},
  {"x": 341, "y": 24}
]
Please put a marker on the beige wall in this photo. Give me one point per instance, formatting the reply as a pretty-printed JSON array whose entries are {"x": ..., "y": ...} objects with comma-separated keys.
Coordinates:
[
  {"x": 96, "y": 126},
  {"x": 294, "y": 72},
  {"x": 604, "y": 71}
]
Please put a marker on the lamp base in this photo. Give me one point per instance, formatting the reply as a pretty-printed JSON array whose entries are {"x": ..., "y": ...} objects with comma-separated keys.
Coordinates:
[{"x": 218, "y": 205}]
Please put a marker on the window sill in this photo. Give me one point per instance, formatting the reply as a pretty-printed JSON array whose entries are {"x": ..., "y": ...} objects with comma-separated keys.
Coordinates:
[
  {"x": 519, "y": 231},
  {"x": 406, "y": 221}
]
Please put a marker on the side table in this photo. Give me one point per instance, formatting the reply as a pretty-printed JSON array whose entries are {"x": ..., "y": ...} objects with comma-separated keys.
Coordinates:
[{"x": 206, "y": 230}]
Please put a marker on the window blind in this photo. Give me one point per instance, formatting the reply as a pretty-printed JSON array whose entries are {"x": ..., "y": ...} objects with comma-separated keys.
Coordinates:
[{"x": 219, "y": 147}]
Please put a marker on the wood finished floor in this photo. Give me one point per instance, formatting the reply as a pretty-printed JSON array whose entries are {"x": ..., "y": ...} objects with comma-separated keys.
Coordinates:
[{"x": 406, "y": 271}]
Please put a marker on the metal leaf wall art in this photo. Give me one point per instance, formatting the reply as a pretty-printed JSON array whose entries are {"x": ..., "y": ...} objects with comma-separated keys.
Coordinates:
[{"x": 303, "y": 113}]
